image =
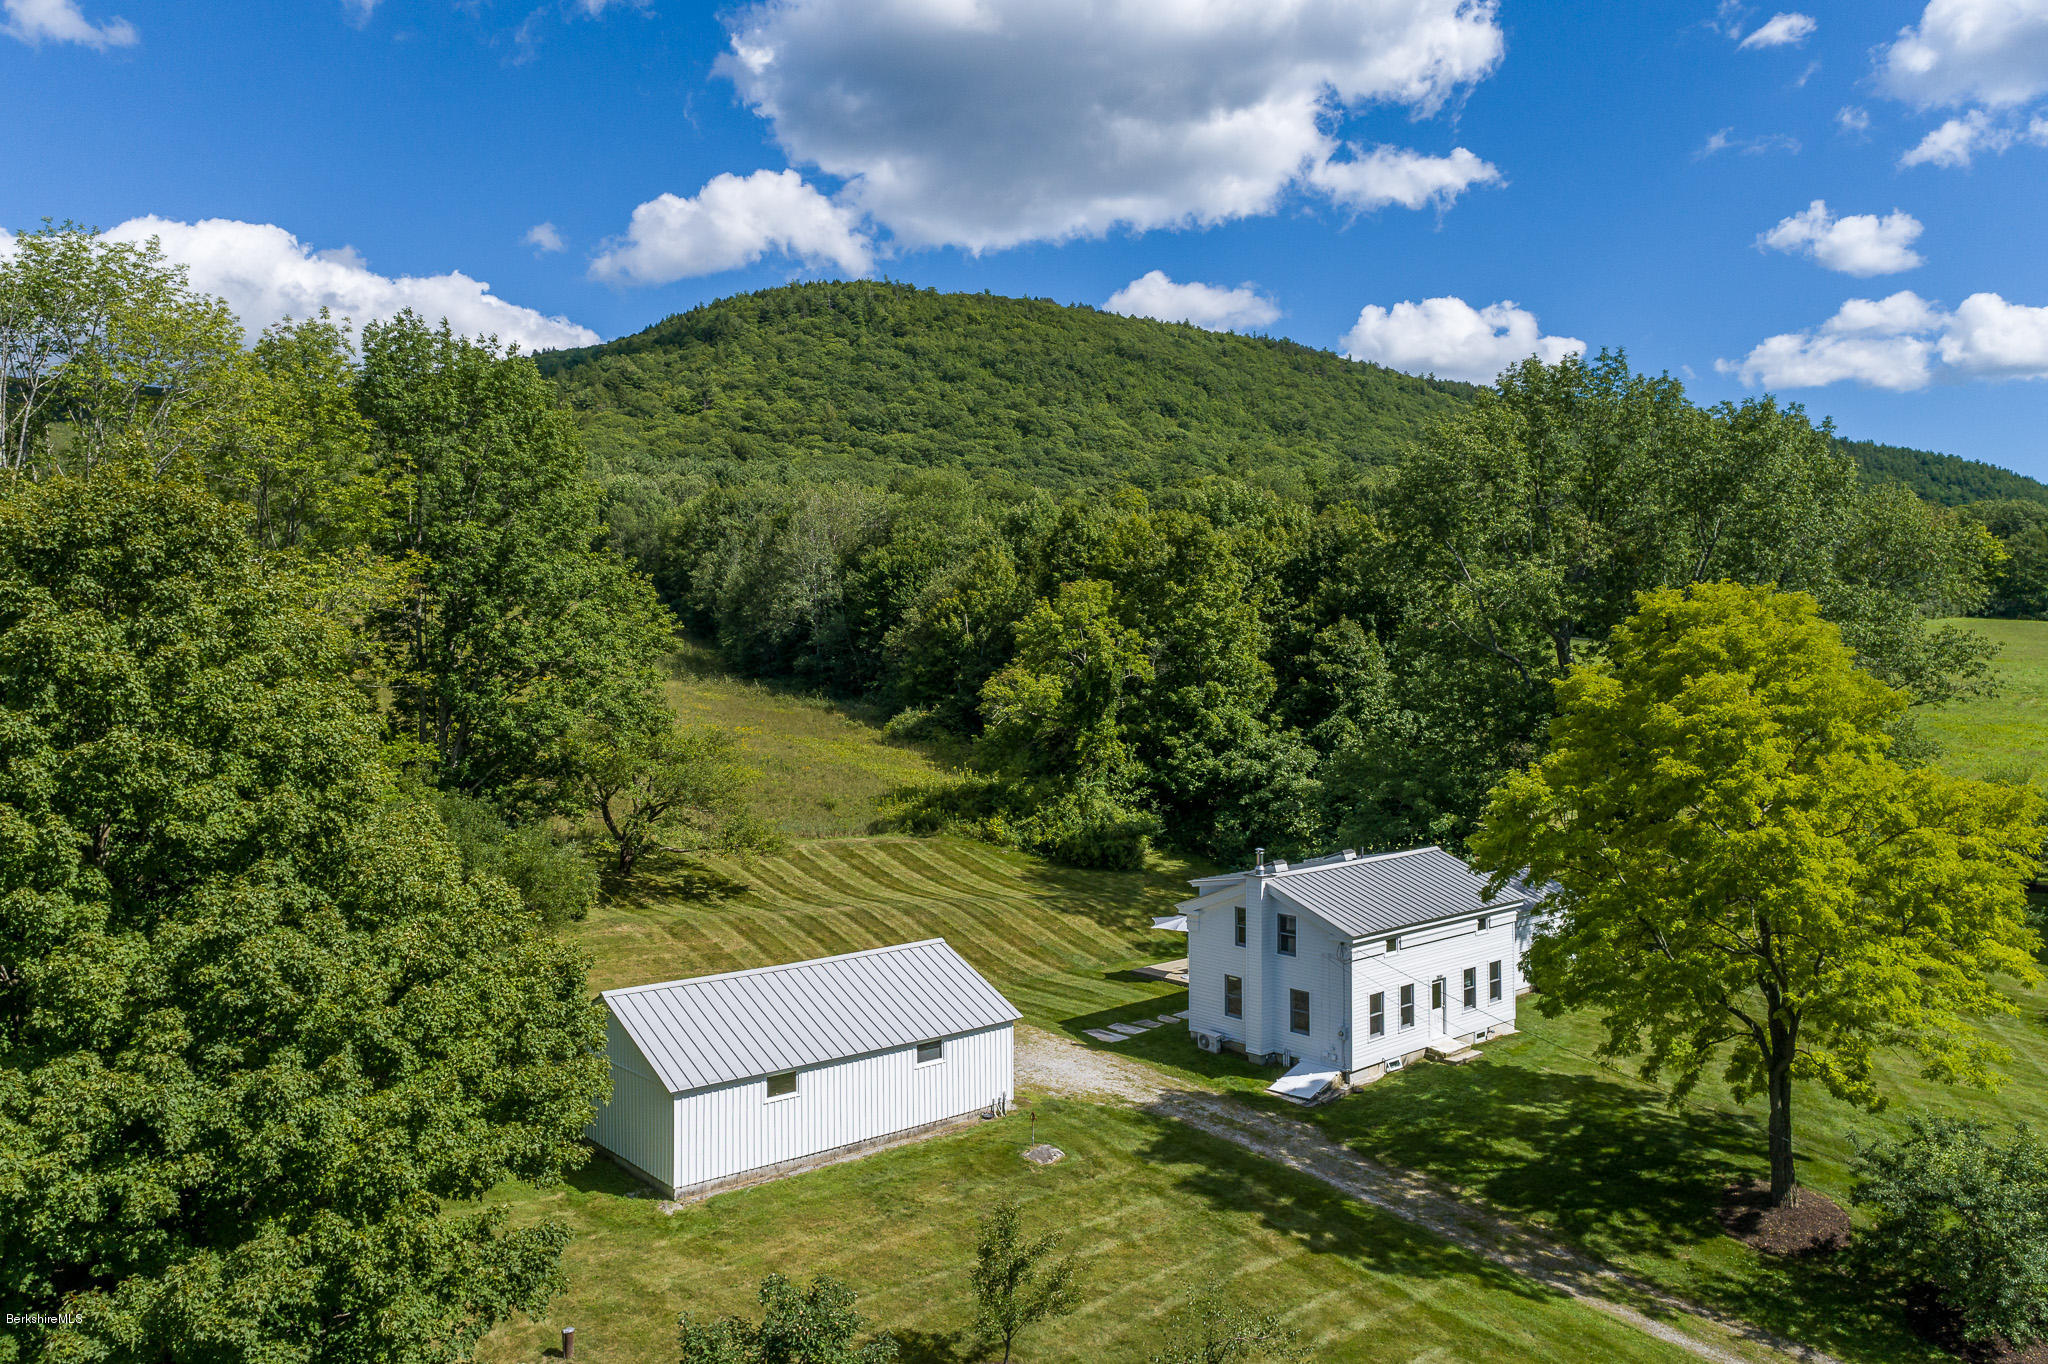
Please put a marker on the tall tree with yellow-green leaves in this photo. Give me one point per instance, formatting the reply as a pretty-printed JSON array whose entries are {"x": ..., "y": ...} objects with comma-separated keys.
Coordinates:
[{"x": 1743, "y": 877}]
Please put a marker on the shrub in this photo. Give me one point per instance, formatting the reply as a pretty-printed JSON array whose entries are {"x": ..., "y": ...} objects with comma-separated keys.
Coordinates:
[{"x": 1967, "y": 1215}]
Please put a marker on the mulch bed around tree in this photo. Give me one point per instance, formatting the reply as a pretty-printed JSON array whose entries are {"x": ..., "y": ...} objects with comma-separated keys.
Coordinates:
[
  {"x": 1935, "y": 1321},
  {"x": 1807, "y": 1224}
]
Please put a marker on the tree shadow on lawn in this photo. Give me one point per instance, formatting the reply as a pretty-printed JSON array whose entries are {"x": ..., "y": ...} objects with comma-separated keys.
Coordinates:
[
  {"x": 661, "y": 879},
  {"x": 1316, "y": 1217},
  {"x": 1614, "y": 1168},
  {"x": 933, "y": 1347}
]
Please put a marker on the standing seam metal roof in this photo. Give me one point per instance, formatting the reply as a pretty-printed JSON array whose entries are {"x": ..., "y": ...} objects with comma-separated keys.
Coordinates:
[
  {"x": 1367, "y": 896},
  {"x": 711, "y": 1030}
]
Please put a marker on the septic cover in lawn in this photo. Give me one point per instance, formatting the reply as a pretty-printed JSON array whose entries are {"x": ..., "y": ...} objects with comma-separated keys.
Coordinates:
[{"x": 1043, "y": 1154}]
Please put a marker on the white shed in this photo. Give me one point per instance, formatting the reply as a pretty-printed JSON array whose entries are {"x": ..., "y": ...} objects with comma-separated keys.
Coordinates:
[{"x": 724, "y": 1080}]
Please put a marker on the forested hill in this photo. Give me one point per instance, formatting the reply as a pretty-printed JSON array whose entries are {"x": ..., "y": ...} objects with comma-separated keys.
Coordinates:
[
  {"x": 1945, "y": 479},
  {"x": 866, "y": 380}
]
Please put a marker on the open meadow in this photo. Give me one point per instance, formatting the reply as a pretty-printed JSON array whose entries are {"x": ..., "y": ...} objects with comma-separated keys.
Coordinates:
[
  {"x": 2005, "y": 734},
  {"x": 1539, "y": 1128}
]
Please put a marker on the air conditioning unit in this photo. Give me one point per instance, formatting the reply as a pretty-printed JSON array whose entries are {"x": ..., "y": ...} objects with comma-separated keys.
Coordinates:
[
  {"x": 1395, "y": 1064},
  {"x": 1207, "y": 1042}
]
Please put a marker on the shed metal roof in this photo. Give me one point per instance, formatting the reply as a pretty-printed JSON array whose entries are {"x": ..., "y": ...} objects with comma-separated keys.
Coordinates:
[
  {"x": 711, "y": 1030},
  {"x": 1368, "y": 896}
]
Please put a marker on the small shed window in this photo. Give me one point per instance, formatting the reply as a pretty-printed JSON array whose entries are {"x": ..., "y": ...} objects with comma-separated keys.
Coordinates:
[
  {"x": 928, "y": 1052},
  {"x": 1493, "y": 981},
  {"x": 1378, "y": 1014},
  {"x": 1240, "y": 925},
  {"x": 1407, "y": 1006},
  {"x": 782, "y": 1086},
  {"x": 1233, "y": 997},
  {"x": 1286, "y": 935},
  {"x": 1297, "y": 1011},
  {"x": 1471, "y": 987}
]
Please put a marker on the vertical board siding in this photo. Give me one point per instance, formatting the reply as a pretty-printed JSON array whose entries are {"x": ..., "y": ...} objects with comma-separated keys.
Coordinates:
[
  {"x": 730, "y": 1129},
  {"x": 637, "y": 1123}
]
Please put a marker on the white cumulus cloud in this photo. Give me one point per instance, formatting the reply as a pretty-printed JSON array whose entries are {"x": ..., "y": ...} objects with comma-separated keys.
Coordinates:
[
  {"x": 1154, "y": 294},
  {"x": 1852, "y": 119},
  {"x": 1782, "y": 30},
  {"x": 1394, "y": 175},
  {"x": 1903, "y": 342},
  {"x": 545, "y": 238},
  {"x": 1452, "y": 339},
  {"x": 61, "y": 21},
  {"x": 987, "y": 123},
  {"x": 1862, "y": 244},
  {"x": 1962, "y": 52},
  {"x": 265, "y": 273},
  {"x": 733, "y": 222},
  {"x": 1958, "y": 141}
]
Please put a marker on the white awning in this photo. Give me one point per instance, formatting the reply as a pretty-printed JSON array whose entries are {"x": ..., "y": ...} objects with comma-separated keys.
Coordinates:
[{"x": 1171, "y": 923}]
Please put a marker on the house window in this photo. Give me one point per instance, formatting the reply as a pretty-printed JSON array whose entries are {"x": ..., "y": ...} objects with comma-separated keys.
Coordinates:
[
  {"x": 1233, "y": 997},
  {"x": 1436, "y": 995},
  {"x": 1471, "y": 987},
  {"x": 1407, "y": 1006},
  {"x": 1378, "y": 1014},
  {"x": 928, "y": 1052},
  {"x": 1297, "y": 1011},
  {"x": 1393, "y": 944},
  {"x": 1286, "y": 935},
  {"x": 1482, "y": 922},
  {"x": 1240, "y": 925},
  {"x": 782, "y": 1086},
  {"x": 1493, "y": 981}
]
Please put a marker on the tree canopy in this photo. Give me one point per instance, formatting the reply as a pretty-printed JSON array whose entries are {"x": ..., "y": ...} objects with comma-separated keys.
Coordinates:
[
  {"x": 257, "y": 1023},
  {"x": 1739, "y": 873}
]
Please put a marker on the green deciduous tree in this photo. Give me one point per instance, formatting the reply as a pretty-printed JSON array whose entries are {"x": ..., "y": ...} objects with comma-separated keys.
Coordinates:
[
  {"x": 520, "y": 627},
  {"x": 662, "y": 786},
  {"x": 105, "y": 353},
  {"x": 1218, "y": 1329},
  {"x": 1745, "y": 875},
  {"x": 1954, "y": 1210},
  {"x": 813, "y": 1325},
  {"x": 260, "y": 1039},
  {"x": 554, "y": 877},
  {"x": 1016, "y": 1282}
]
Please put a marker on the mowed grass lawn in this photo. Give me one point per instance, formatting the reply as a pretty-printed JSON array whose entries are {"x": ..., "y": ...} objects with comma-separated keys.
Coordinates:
[
  {"x": 1151, "y": 1210},
  {"x": 2006, "y": 734},
  {"x": 1591, "y": 1153}
]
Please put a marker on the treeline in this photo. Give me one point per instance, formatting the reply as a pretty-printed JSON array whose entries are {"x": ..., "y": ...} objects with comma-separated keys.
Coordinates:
[
  {"x": 1947, "y": 480},
  {"x": 1223, "y": 665},
  {"x": 313, "y": 658}
]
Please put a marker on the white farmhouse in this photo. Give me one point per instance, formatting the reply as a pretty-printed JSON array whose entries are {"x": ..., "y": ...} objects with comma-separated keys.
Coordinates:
[
  {"x": 724, "y": 1080},
  {"x": 1348, "y": 966}
]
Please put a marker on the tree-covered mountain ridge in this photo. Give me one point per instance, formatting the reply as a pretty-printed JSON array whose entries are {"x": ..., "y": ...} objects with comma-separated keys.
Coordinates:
[{"x": 868, "y": 380}]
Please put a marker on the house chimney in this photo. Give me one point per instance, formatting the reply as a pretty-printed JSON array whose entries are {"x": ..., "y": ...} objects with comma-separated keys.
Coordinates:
[{"x": 1258, "y": 859}]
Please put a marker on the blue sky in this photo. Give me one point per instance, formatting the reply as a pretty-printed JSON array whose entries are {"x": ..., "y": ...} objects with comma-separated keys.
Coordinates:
[{"x": 1433, "y": 184}]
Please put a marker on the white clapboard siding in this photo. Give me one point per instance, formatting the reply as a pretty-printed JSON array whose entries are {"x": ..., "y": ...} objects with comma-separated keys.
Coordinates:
[
  {"x": 730, "y": 1129},
  {"x": 1346, "y": 907}
]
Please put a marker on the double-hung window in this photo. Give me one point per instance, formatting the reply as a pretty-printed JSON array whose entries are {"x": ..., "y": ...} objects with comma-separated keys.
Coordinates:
[
  {"x": 1407, "y": 1006},
  {"x": 1286, "y": 935},
  {"x": 1297, "y": 1011},
  {"x": 1471, "y": 987},
  {"x": 1240, "y": 925},
  {"x": 1377, "y": 1015},
  {"x": 1233, "y": 997},
  {"x": 1493, "y": 981}
]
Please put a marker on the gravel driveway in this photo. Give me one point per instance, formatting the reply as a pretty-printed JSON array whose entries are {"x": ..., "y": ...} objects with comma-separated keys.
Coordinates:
[{"x": 1052, "y": 1064}]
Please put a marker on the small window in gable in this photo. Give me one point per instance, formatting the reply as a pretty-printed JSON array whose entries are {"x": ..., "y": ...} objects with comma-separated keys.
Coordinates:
[
  {"x": 928, "y": 1052},
  {"x": 782, "y": 1086}
]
